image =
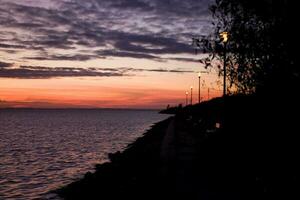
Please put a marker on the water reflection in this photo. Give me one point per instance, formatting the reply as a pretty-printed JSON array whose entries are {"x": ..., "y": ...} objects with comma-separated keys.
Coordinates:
[{"x": 41, "y": 150}]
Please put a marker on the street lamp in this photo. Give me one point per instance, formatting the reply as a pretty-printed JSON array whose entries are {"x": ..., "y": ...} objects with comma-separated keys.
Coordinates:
[
  {"x": 186, "y": 98},
  {"x": 191, "y": 95},
  {"x": 208, "y": 93},
  {"x": 224, "y": 36},
  {"x": 199, "y": 94}
]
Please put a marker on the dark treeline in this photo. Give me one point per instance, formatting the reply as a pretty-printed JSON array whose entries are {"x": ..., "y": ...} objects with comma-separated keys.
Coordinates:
[{"x": 262, "y": 45}]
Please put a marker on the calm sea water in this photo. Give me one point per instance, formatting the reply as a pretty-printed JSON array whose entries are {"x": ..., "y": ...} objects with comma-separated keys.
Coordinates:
[{"x": 41, "y": 150}]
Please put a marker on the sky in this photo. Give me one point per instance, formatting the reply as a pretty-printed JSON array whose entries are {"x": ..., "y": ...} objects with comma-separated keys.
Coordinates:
[{"x": 102, "y": 53}]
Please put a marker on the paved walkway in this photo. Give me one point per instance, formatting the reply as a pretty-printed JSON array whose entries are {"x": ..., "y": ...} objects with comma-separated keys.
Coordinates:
[{"x": 181, "y": 156}]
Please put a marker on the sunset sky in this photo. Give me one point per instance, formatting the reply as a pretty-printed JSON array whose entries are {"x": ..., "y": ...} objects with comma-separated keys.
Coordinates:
[{"x": 101, "y": 53}]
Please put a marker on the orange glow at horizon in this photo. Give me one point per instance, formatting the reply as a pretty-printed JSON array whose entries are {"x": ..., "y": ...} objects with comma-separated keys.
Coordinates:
[
  {"x": 60, "y": 93},
  {"x": 145, "y": 89}
]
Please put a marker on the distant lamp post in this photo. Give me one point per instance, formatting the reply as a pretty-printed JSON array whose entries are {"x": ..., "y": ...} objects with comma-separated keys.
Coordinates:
[
  {"x": 224, "y": 36},
  {"x": 207, "y": 93},
  {"x": 186, "y": 98},
  {"x": 199, "y": 92},
  {"x": 191, "y": 95}
]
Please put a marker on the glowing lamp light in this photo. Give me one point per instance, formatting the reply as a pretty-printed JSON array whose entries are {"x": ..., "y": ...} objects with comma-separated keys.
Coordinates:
[{"x": 224, "y": 36}]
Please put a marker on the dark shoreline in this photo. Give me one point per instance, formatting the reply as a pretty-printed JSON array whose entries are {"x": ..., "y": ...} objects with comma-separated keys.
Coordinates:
[
  {"x": 252, "y": 157},
  {"x": 131, "y": 172}
]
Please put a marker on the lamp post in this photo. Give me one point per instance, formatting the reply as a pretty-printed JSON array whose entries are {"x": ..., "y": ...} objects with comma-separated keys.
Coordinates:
[
  {"x": 186, "y": 98},
  {"x": 199, "y": 92},
  {"x": 207, "y": 93},
  {"x": 224, "y": 36},
  {"x": 191, "y": 95}
]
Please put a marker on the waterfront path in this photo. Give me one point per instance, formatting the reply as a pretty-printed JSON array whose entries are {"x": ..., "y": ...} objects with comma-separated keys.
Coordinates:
[{"x": 180, "y": 153}]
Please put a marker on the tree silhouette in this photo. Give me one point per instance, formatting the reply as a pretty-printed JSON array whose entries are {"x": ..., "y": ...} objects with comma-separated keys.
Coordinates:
[{"x": 261, "y": 54}]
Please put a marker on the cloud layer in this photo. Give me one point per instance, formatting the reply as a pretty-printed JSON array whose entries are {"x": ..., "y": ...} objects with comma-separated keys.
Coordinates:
[
  {"x": 41, "y": 72},
  {"x": 5, "y": 64},
  {"x": 102, "y": 28}
]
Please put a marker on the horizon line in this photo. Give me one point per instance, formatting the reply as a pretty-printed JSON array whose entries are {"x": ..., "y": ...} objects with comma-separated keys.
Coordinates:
[{"x": 74, "y": 108}]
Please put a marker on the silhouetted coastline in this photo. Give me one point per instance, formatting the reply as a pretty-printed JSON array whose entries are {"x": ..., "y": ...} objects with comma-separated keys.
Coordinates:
[
  {"x": 123, "y": 176},
  {"x": 189, "y": 156}
]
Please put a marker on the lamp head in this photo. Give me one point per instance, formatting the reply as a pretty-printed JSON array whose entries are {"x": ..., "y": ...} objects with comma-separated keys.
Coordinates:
[
  {"x": 199, "y": 74},
  {"x": 224, "y": 36}
]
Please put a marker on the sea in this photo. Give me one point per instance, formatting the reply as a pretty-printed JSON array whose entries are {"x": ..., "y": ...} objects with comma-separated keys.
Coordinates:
[{"x": 44, "y": 149}]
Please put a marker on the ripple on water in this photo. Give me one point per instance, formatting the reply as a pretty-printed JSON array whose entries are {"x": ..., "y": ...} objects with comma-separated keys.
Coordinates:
[{"x": 41, "y": 150}]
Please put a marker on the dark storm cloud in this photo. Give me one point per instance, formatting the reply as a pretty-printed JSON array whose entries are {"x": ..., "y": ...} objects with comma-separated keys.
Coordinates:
[
  {"x": 38, "y": 72},
  {"x": 59, "y": 41},
  {"x": 12, "y": 46},
  {"x": 76, "y": 57},
  {"x": 42, "y": 72},
  {"x": 135, "y": 28},
  {"x": 5, "y": 64}
]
